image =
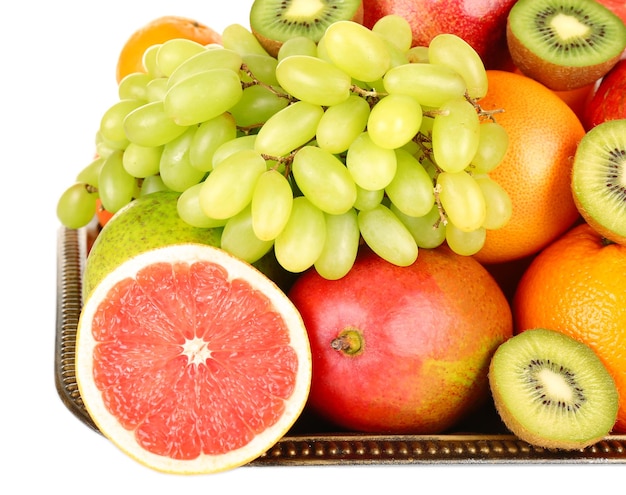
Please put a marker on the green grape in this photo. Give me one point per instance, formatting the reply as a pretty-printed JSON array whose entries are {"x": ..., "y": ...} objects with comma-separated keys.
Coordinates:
[
  {"x": 367, "y": 199},
  {"x": 321, "y": 51},
  {"x": 190, "y": 211},
  {"x": 497, "y": 202},
  {"x": 428, "y": 120},
  {"x": 141, "y": 161},
  {"x": 288, "y": 129},
  {"x": 341, "y": 245},
  {"x": 229, "y": 187},
  {"x": 454, "y": 52},
  {"x": 217, "y": 58},
  {"x": 271, "y": 205},
  {"x": 324, "y": 180},
  {"x": 156, "y": 89},
  {"x": 175, "y": 167},
  {"x": 431, "y": 85},
  {"x": 116, "y": 187},
  {"x": 227, "y": 148},
  {"x": 241, "y": 40},
  {"x": 149, "y": 126},
  {"x": 387, "y": 236},
  {"x": 238, "y": 238},
  {"x": 412, "y": 148},
  {"x": 133, "y": 87},
  {"x": 298, "y": 45},
  {"x": 262, "y": 68},
  {"x": 411, "y": 189},
  {"x": 394, "y": 121},
  {"x": 208, "y": 137},
  {"x": 301, "y": 242},
  {"x": 462, "y": 199},
  {"x": 149, "y": 60},
  {"x": 371, "y": 166},
  {"x": 417, "y": 55},
  {"x": 465, "y": 243},
  {"x": 395, "y": 29},
  {"x": 174, "y": 52},
  {"x": 202, "y": 96},
  {"x": 356, "y": 50},
  {"x": 341, "y": 124},
  {"x": 90, "y": 174},
  {"x": 493, "y": 142},
  {"x": 455, "y": 135},
  {"x": 112, "y": 122},
  {"x": 313, "y": 80},
  {"x": 103, "y": 148},
  {"x": 256, "y": 106},
  {"x": 428, "y": 230},
  {"x": 396, "y": 56},
  {"x": 151, "y": 184},
  {"x": 76, "y": 206}
]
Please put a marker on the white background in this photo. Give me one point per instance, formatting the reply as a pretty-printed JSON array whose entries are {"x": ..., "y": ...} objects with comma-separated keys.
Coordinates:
[{"x": 57, "y": 62}]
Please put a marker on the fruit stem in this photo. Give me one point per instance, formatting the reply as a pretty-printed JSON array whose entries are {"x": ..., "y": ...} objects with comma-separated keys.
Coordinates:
[
  {"x": 349, "y": 341},
  {"x": 606, "y": 242}
]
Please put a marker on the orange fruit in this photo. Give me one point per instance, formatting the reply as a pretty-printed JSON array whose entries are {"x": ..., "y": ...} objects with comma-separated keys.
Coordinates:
[
  {"x": 157, "y": 31},
  {"x": 543, "y": 135},
  {"x": 577, "y": 285},
  {"x": 577, "y": 99},
  {"x": 191, "y": 360},
  {"x": 103, "y": 215}
]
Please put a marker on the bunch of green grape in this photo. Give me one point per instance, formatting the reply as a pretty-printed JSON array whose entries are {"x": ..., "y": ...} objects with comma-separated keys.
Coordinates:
[{"x": 357, "y": 138}]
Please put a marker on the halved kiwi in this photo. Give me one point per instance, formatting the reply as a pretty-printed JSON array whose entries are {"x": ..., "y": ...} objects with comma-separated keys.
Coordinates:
[
  {"x": 552, "y": 391},
  {"x": 275, "y": 21},
  {"x": 564, "y": 44},
  {"x": 599, "y": 179}
]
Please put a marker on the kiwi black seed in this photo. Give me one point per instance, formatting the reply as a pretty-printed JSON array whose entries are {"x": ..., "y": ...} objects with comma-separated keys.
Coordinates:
[
  {"x": 275, "y": 21},
  {"x": 564, "y": 44},
  {"x": 552, "y": 391},
  {"x": 599, "y": 179}
]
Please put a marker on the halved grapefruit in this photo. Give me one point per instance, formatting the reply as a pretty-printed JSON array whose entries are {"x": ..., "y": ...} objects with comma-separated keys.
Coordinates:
[{"x": 191, "y": 360}]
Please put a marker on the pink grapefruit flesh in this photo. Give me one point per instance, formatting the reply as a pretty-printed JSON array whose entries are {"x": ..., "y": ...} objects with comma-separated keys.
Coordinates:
[{"x": 191, "y": 360}]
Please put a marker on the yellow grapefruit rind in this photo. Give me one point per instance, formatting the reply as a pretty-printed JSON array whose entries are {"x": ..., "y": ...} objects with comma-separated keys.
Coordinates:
[{"x": 124, "y": 439}]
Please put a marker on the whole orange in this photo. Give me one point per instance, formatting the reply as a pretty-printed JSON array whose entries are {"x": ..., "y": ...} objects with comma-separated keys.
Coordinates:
[
  {"x": 543, "y": 135},
  {"x": 577, "y": 286},
  {"x": 157, "y": 31}
]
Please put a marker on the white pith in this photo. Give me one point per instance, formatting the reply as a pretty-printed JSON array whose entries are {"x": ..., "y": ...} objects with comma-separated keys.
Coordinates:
[{"x": 124, "y": 439}]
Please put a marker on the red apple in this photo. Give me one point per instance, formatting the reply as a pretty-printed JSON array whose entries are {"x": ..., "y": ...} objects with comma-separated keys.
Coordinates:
[
  {"x": 402, "y": 349},
  {"x": 482, "y": 23},
  {"x": 609, "y": 100}
]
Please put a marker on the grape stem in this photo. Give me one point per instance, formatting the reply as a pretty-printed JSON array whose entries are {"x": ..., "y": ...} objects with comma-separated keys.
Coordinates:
[
  {"x": 256, "y": 82},
  {"x": 443, "y": 218}
]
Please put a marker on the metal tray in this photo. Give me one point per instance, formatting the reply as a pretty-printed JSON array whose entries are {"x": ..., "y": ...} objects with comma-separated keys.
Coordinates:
[{"x": 481, "y": 439}]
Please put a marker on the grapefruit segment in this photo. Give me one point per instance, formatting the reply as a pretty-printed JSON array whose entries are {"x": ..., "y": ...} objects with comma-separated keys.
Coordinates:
[{"x": 190, "y": 360}]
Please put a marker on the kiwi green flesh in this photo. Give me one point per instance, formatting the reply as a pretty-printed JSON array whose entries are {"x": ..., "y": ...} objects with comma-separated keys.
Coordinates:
[
  {"x": 276, "y": 21},
  {"x": 553, "y": 391},
  {"x": 599, "y": 179},
  {"x": 564, "y": 44}
]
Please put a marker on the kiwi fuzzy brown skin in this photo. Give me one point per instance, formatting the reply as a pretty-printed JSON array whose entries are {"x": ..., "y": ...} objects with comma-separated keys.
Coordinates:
[
  {"x": 594, "y": 397},
  {"x": 272, "y": 44},
  {"x": 563, "y": 75},
  {"x": 599, "y": 179}
]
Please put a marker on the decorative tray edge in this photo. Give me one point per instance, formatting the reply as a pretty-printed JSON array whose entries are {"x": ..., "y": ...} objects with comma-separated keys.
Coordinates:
[{"x": 316, "y": 448}]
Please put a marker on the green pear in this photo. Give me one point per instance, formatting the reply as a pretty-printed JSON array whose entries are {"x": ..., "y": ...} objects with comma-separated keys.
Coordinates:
[{"x": 149, "y": 222}]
